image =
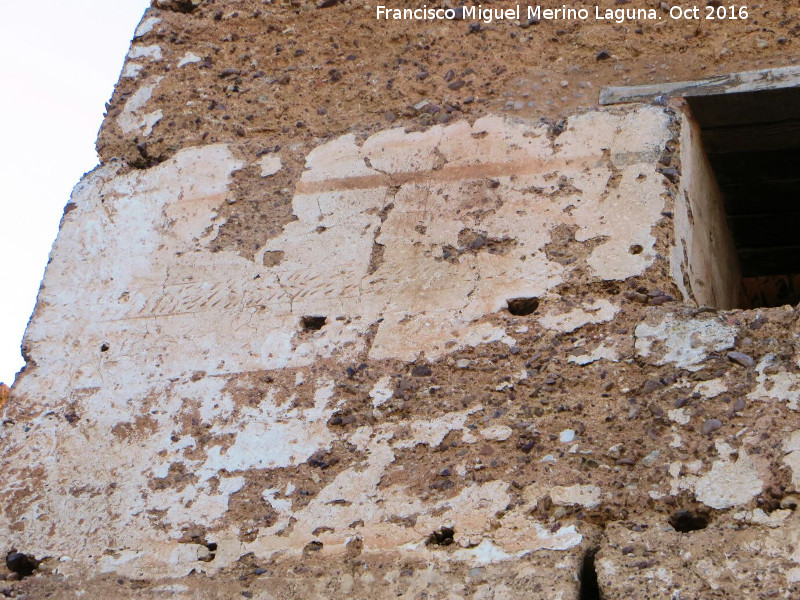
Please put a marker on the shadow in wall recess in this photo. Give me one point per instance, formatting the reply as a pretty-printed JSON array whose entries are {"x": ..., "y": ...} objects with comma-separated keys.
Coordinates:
[{"x": 589, "y": 588}]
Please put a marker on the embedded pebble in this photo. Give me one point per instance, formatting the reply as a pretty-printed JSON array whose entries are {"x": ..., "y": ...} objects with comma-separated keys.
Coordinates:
[
  {"x": 651, "y": 458},
  {"x": 567, "y": 436},
  {"x": 421, "y": 104},
  {"x": 671, "y": 174},
  {"x": 651, "y": 385},
  {"x": 710, "y": 426},
  {"x": 740, "y": 358},
  {"x": 421, "y": 371}
]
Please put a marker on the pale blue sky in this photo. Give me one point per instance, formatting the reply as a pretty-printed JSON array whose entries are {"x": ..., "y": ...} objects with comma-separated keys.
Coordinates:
[{"x": 59, "y": 62}]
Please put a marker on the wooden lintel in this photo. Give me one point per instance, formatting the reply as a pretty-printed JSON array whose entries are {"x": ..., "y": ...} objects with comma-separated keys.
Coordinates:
[{"x": 747, "y": 81}]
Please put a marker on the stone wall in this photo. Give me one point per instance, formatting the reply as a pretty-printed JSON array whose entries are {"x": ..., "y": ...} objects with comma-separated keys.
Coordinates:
[{"x": 469, "y": 353}]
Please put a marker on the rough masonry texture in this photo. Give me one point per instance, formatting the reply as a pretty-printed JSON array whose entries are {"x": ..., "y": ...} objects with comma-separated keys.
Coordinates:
[{"x": 452, "y": 351}]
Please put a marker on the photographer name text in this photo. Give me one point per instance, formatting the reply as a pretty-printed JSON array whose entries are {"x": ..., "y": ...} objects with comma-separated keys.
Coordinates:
[{"x": 563, "y": 13}]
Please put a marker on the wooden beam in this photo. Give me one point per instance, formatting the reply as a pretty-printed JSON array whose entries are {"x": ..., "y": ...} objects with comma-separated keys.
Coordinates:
[
  {"x": 747, "y": 81},
  {"x": 759, "y": 137},
  {"x": 743, "y": 167},
  {"x": 746, "y": 108}
]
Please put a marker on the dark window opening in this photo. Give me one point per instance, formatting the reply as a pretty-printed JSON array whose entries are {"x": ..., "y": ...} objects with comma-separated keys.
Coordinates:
[{"x": 752, "y": 141}]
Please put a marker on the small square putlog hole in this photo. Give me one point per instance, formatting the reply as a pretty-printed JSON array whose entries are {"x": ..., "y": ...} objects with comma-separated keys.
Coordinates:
[
  {"x": 313, "y": 322},
  {"x": 752, "y": 142},
  {"x": 523, "y": 306}
]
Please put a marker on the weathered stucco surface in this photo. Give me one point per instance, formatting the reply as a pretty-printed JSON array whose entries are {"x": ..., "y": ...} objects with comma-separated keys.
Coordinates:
[
  {"x": 157, "y": 326},
  {"x": 451, "y": 353}
]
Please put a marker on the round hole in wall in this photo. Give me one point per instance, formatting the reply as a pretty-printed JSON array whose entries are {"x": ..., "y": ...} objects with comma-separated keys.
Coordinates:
[
  {"x": 313, "y": 322},
  {"x": 636, "y": 249},
  {"x": 685, "y": 520},
  {"x": 522, "y": 306}
]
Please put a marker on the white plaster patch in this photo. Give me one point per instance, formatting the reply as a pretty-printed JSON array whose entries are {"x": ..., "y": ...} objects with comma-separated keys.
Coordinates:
[
  {"x": 132, "y": 70},
  {"x": 484, "y": 333},
  {"x": 146, "y": 26},
  {"x": 684, "y": 342},
  {"x": 780, "y": 387},
  {"x": 151, "y": 52},
  {"x": 587, "y": 496},
  {"x": 485, "y": 553},
  {"x": 382, "y": 391},
  {"x": 711, "y": 388},
  {"x": 188, "y": 59},
  {"x": 759, "y": 517},
  {"x": 617, "y": 218},
  {"x": 132, "y": 118},
  {"x": 273, "y": 436},
  {"x": 601, "y": 352},
  {"x": 270, "y": 164},
  {"x": 599, "y": 311},
  {"x": 278, "y": 504},
  {"x": 546, "y": 539},
  {"x": 432, "y": 431},
  {"x": 791, "y": 446},
  {"x": 497, "y": 433},
  {"x": 403, "y": 335},
  {"x": 729, "y": 483},
  {"x": 680, "y": 415}
]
